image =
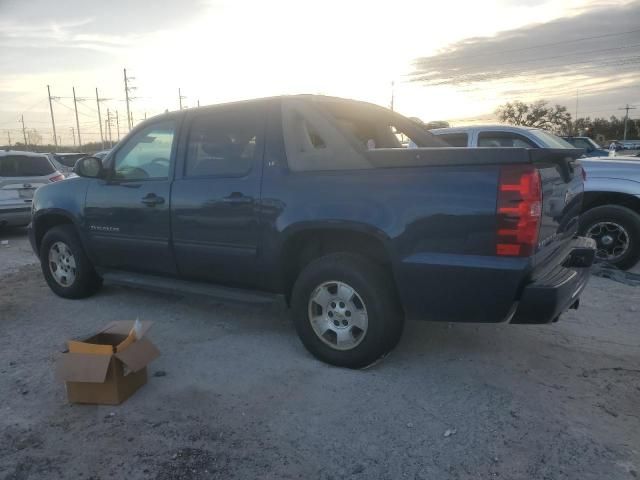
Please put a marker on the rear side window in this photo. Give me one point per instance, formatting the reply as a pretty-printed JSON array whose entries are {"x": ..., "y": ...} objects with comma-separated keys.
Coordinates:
[
  {"x": 223, "y": 143},
  {"x": 455, "y": 139},
  {"x": 23, "y": 166},
  {"x": 503, "y": 139}
]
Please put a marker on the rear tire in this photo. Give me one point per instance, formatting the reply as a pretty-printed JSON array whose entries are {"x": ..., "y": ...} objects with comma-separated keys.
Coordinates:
[
  {"x": 624, "y": 225},
  {"x": 65, "y": 265},
  {"x": 352, "y": 301}
]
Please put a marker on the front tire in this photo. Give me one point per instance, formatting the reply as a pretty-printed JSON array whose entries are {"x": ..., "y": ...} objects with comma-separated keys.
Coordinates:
[
  {"x": 616, "y": 230},
  {"x": 345, "y": 310},
  {"x": 65, "y": 265}
]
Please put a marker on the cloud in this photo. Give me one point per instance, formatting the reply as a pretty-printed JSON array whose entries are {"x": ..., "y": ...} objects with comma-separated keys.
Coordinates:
[{"x": 594, "y": 54}]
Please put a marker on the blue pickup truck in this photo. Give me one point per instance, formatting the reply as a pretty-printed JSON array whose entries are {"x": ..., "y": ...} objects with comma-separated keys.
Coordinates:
[{"x": 354, "y": 215}]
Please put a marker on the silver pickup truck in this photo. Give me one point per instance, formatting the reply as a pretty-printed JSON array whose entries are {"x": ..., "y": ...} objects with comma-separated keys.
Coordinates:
[{"x": 611, "y": 206}]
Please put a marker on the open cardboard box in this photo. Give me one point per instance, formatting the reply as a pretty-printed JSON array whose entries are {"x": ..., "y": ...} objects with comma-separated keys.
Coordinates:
[{"x": 108, "y": 367}]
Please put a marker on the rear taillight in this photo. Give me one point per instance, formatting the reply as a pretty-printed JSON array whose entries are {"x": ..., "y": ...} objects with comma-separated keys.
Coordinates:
[
  {"x": 56, "y": 178},
  {"x": 519, "y": 210}
]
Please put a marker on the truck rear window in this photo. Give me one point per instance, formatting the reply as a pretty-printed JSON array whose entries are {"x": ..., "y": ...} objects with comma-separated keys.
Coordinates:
[{"x": 25, "y": 166}]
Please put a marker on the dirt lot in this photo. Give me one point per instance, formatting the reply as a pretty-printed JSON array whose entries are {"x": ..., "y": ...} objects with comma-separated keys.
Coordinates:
[{"x": 241, "y": 397}]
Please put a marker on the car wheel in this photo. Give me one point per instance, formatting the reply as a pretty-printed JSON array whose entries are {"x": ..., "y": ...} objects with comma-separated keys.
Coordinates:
[
  {"x": 65, "y": 266},
  {"x": 345, "y": 311},
  {"x": 616, "y": 230}
]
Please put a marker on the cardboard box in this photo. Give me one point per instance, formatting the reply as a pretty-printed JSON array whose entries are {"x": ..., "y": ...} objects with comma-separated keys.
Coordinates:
[{"x": 108, "y": 367}]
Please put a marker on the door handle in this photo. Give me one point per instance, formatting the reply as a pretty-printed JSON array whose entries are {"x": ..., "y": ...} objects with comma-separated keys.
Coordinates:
[
  {"x": 237, "y": 198},
  {"x": 152, "y": 199}
]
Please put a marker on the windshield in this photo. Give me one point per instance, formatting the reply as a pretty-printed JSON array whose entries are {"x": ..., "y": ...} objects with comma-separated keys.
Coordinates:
[{"x": 549, "y": 140}]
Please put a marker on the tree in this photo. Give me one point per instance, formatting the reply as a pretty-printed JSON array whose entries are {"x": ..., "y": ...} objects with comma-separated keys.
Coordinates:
[{"x": 537, "y": 114}]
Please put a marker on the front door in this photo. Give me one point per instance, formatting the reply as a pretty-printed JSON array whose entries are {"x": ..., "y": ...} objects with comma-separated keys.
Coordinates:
[
  {"x": 127, "y": 213},
  {"x": 215, "y": 196}
]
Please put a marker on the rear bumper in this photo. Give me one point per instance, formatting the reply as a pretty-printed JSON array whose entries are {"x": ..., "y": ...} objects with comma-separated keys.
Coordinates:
[
  {"x": 15, "y": 216},
  {"x": 484, "y": 289},
  {"x": 544, "y": 300}
]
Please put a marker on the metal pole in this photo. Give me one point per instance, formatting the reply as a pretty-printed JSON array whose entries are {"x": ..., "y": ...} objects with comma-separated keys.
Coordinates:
[
  {"x": 575, "y": 122},
  {"x": 393, "y": 85},
  {"x": 9, "y": 135},
  {"x": 126, "y": 95},
  {"x": 626, "y": 118},
  {"x": 109, "y": 127},
  {"x": 73, "y": 134},
  {"x": 117, "y": 125},
  {"x": 99, "y": 118},
  {"x": 53, "y": 122},
  {"x": 75, "y": 106},
  {"x": 24, "y": 132},
  {"x": 180, "y": 98}
]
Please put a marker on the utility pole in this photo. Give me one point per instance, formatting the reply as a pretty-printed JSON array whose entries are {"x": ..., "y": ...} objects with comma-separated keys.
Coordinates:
[
  {"x": 109, "y": 128},
  {"x": 126, "y": 96},
  {"x": 393, "y": 88},
  {"x": 73, "y": 134},
  {"x": 180, "y": 98},
  {"x": 75, "y": 106},
  {"x": 24, "y": 132},
  {"x": 117, "y": 125},
  {"x": 9, "y": 136},
  {"x": 53, "y": 122},
  {"x": 575, "y": 122},
  {"x": 99, "y": 118},
  {"x": 198, "y": 103},
  {"x": 626, "y": 118}
]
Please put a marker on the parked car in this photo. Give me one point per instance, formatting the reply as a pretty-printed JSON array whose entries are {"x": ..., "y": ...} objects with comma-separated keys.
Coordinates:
[
  {"x": 64, "y": 162},
  {"x": 611, "y": 206},
  {"x": 21, "y": 173},
  {"x": 314, "y": 200},
  {"x": 590, "y": 147}
]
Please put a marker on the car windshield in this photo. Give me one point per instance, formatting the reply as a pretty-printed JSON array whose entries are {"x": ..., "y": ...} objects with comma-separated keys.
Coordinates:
[
  {"x": 25, "y": 166},
  {"x": 550, "y": 140}
]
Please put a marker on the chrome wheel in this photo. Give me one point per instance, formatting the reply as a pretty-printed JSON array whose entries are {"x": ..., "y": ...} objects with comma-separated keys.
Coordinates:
[
  {"x": 338, "y": 315},
  {"x": 62, "y": 264},
  {"x": 612, "y": 240}
]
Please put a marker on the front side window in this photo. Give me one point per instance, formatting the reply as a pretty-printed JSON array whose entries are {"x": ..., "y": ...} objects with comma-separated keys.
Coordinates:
[
  {"x": 147, "y": 155},
  {"x": 503, "y": 139},
  {"x": 222, "y": 143}
]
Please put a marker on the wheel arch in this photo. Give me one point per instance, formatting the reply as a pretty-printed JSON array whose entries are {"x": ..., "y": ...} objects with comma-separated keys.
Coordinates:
[
  {"x": 303, "y": 244},
  {"x": 45, "y": 221},
  {"x": 594, "y": 199}
]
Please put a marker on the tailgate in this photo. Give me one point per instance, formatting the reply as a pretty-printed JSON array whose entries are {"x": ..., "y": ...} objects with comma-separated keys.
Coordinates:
[{"x": 562, "y": 180}]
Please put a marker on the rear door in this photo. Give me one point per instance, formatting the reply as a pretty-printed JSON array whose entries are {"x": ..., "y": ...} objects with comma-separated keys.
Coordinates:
[
  {"x": 215, "y": 197},
  {"x": 20, "y": 176},
  {"x": 127, "y": 214}
]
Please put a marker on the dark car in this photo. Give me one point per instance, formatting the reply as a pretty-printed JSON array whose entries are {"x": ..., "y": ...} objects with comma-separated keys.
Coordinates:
[
  {"x": 590, "y": 147},
  {"x": 315, "y": 200}
]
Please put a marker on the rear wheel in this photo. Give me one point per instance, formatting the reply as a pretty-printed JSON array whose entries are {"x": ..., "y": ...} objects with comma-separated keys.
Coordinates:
[
  {"x": 345, "y": 311},
  {"x": 616, "y": 230},
  {"x": 65, "y": 265}
]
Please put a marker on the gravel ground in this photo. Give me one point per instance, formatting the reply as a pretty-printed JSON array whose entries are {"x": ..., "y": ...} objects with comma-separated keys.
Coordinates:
[{"x": 241, "y": 398}]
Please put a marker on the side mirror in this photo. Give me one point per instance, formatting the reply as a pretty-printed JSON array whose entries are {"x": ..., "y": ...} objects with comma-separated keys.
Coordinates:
[{"x": 90, "y": 167}]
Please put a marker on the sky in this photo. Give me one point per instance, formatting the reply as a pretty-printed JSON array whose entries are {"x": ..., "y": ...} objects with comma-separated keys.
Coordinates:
[{"x": 449, "y": 60}]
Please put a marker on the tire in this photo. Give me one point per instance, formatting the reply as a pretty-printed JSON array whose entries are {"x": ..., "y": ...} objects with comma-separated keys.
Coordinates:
[
  {"x": 68, "y": 271},
  {"x": 624, "y": 223},
  {"x": 322, "y": 284}
]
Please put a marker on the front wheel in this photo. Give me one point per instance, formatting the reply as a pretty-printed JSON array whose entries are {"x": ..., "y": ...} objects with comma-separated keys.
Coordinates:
[
  {"x": 345, "y": 310},
  {"x": 65, "y": 265},
  {"x": 616, "y": 230}
]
